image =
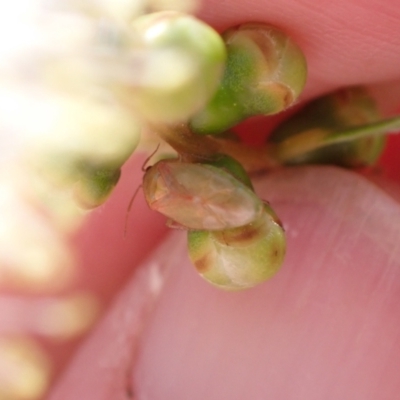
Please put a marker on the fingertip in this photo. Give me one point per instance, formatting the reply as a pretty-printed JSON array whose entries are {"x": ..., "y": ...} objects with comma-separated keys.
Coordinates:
[{"x": 326, "y": 326}]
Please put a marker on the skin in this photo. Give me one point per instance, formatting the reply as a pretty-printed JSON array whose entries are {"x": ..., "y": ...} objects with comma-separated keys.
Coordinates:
[{"x": 327, "y": 326}]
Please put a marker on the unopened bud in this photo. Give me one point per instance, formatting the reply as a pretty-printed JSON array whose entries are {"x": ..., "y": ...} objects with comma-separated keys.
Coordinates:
[
  {"x": 265, "y": 73},
  {"x": 95, "y": 185},
  {"x": 242, "y": 257},
  {"x": 182, "y": 66}
]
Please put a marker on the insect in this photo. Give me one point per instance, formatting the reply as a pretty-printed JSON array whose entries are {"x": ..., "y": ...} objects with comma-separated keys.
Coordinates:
[{"x": 199, "y": 196}]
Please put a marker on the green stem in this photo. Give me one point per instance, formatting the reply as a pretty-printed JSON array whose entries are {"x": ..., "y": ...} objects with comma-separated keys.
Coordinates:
[
  {"x": 317, "y": 138},
  {"x": 385, "y": 126}
]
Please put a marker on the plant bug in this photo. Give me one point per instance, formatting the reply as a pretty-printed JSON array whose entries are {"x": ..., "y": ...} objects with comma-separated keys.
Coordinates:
[{"x": 199, "y": 196}]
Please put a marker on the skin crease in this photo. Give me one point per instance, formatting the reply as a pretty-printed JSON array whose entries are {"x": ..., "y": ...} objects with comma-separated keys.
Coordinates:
[{"x": 327, "y": 326}]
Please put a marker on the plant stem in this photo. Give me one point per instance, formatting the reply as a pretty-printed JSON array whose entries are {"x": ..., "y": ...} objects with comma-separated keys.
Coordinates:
[
  {"x": 313, "y": 139},
  {"x": 195, "y": 148},
  {"x": 190, "y": 146}
]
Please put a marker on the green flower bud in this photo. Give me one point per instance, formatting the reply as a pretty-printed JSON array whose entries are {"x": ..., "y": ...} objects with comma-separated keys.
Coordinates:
[
  {"x": 239, "y": 258},
  {"x": 265, "y": 73},
  {"x": 307, "y": 136},
  {"x": 95, "y": 185},
  {"x": 182, "y": 66}
]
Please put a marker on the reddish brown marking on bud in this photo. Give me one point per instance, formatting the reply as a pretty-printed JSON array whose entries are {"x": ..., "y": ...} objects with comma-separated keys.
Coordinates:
[
  {"x": 239, "y": 237},
  {"x": 288, "y": 98},
  {"x": 204, "y": 263},
  {"x": 275, "y": 254}
]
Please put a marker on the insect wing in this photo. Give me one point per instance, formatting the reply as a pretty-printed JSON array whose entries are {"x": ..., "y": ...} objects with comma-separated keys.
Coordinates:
[{"x": 200, "y": 196}]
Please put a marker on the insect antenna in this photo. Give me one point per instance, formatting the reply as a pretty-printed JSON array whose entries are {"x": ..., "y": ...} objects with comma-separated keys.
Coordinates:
[
  {"x": 149, "y": 157},
  {"x": 129, "y": 209},
  {"x": 137, "y": 190}
]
